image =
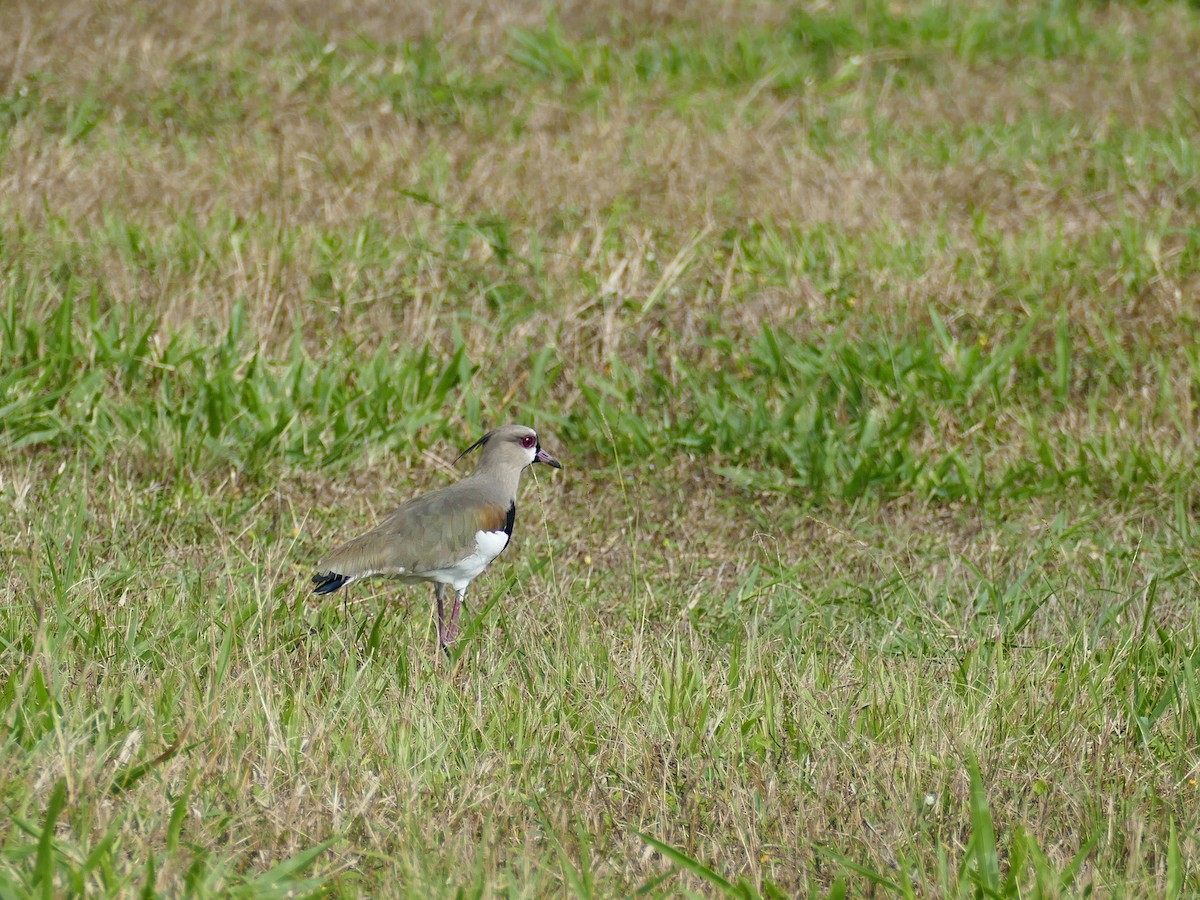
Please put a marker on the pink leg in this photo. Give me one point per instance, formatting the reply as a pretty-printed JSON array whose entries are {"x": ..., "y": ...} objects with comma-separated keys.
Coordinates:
[
  {"x": 452, "y": 628},
  {"x": 442, "y": 640}
]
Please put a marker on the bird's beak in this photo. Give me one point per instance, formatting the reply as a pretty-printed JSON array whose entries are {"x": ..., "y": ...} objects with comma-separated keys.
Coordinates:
[{"x": 544, "y": 457}]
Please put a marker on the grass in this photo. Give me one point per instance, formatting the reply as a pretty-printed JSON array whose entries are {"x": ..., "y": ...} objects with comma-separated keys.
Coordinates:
[{"x": 866, "y": 332}]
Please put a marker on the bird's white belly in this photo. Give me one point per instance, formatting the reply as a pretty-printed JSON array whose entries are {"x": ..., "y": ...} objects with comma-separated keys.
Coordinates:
[{"x": 488, "y": 545}]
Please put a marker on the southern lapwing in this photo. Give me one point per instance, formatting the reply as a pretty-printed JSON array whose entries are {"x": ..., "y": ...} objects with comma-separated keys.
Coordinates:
[{"x": 447, "y": 536}]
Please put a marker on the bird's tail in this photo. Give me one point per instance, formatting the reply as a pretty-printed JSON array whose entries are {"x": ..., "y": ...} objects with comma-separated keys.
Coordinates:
[{"x": 328, "y": 582}]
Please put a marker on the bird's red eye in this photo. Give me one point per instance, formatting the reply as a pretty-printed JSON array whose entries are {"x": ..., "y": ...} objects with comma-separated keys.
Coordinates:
[{"x": 528, "y": 441}]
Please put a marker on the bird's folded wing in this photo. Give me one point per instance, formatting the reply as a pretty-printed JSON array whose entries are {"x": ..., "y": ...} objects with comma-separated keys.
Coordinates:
[{"x": 429, "y": 533}]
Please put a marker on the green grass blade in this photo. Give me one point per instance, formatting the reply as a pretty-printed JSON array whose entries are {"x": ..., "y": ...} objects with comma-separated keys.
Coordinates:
[
  {"x": 44, "y": 862},
  {"x": 983, "y": 836},
  {"x": 1175, "y": 866},
  {"x": 281, "y": 879},
  {"x": 696, "y": 867}
]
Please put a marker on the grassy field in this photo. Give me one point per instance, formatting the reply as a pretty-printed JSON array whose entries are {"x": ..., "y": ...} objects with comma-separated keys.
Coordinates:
[{"x": 867, "y": 334}]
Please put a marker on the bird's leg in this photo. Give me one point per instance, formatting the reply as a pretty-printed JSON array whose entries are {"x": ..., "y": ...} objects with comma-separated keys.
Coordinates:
[
  {"x": 452, "y": 628},
  {"x": 440, "y": 589}
]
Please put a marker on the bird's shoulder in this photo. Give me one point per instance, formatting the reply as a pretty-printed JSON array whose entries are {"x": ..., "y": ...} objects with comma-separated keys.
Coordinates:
[{"x": 455, "y": 511}]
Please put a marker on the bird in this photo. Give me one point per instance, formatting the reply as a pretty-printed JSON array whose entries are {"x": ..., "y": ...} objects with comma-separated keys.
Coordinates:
[{"x": 447, "y": 536}]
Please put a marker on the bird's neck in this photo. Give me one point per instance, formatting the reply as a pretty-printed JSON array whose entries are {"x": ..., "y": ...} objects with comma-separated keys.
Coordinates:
[{"x": 505, "y": 480}]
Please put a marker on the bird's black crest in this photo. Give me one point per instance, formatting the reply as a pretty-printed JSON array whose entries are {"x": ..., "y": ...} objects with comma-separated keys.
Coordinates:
[
  {"x": 328, "y": 582},
  {"x": 475, "y": 446}
]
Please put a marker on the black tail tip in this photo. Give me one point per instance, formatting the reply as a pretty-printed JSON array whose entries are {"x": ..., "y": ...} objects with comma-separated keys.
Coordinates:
[{"x": 328, "y": 582}]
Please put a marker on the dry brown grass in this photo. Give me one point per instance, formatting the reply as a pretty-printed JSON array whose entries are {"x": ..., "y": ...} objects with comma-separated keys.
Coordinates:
[{"x": 325, "y": 166}]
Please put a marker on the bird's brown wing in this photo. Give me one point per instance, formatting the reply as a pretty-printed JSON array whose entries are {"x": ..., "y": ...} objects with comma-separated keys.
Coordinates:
[{"x": 428, "y": 533}]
